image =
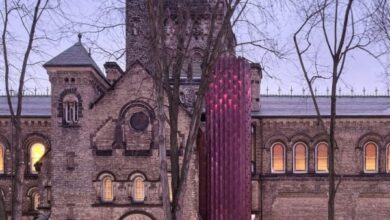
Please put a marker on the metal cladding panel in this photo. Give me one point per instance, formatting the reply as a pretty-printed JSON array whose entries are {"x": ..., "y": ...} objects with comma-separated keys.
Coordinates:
[{"x": 228, "y": 114}]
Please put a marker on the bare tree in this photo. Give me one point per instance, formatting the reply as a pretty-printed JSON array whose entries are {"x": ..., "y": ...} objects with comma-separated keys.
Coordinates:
[
  {"x": 174, "y": 29},
  {"x": 27, "y": 15},
  {"x": 340, "y": 28}
]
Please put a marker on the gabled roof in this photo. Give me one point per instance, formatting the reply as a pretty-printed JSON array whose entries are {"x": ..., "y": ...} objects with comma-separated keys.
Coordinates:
[{"x": 75, "y": 56}]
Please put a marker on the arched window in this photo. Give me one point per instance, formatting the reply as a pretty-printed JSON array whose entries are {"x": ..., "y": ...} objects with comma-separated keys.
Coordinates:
[
  {"x": 35, "y": 200},
  {"x": 2, "y": 158},
  {"x": 139, "y": 189},
  {"x": 108, "y": 190},
  {"x": 70, "y": 104},
  {"x": 300, "y": 158},
  {"x": 322, "y": 158},
  {"x": 253, "y": 149},
  {"x": 37, "y": 150},
  {"x": 388, "y": 158},
  {"x": 370, "y": 158},
  {"x": 278, "y": 158}
]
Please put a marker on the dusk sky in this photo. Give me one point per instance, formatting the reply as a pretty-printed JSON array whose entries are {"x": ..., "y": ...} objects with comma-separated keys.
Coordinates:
[{"x": 362, "y": 71}]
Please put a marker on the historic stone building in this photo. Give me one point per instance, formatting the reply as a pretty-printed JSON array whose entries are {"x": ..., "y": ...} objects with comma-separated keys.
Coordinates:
[{"x": 91, "y": 153}]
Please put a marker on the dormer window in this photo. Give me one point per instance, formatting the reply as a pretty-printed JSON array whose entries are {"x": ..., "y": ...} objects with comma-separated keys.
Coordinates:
[{"x": 70, "y": 104}]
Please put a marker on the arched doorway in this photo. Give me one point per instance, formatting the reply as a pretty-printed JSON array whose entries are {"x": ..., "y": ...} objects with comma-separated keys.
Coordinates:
[{"x": 137, "y": 216}]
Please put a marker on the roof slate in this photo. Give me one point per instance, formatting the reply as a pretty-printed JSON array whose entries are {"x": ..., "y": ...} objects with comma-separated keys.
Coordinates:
[
  {"x": 271, "y": 106},
  {"x": 33, "y": 106},
  {"x": 75, "y": 55},
  {"x": 297, "y": 106}
]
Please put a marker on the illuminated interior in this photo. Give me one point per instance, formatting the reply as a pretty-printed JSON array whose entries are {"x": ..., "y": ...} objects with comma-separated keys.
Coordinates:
[
  {"x": 37, "y": 151},
  {"x": 1, "y": 159},
  {"x": 388, "y": 158},
  {"x": 170, "y": 186},
  {"x": 108, "y": 194},
  {"x": 322, "y": 157},
  {"x": 370, "y": 157},
  {"x": 300, "y": 157},
  {"x": 139, "y": 193},
  {"x": 278, "y": 158}
]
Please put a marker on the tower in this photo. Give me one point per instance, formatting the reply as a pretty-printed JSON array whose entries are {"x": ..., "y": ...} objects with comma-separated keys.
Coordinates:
[{"x": 76, "y": 81}]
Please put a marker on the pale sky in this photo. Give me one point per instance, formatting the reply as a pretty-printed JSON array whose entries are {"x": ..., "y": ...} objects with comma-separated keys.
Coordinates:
[{"x": 361, "y": 70}]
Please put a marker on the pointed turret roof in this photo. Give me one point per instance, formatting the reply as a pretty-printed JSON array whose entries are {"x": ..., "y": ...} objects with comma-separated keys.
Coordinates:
[{"x": 74, "y": 56}]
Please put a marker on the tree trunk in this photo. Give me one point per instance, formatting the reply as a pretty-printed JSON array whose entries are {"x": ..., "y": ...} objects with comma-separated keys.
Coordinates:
[
  {"x": 332, "y": 143},
  {"x": 162, "y": 150},
  {"x": 19, "y": 174}
]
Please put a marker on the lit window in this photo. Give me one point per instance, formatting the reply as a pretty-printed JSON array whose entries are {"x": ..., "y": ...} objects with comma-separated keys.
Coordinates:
[
  {"x": 37, "y": 150},
  {"x": 108, "y": 194},
  {"x": 70, "y": 104},
  {"x": 278, "y": 161},
  {"x": 300, "y": 158},
  {"x": 2, "y": 158},
  {"x": 322, "y": 158},
  {"x": 35, "y": 200},
  {"x": 139, "y": 189},
  {"x": 370, "y": 158},
  {"x": 170, "y": 187},
  {"x": 388, "y": 158}
]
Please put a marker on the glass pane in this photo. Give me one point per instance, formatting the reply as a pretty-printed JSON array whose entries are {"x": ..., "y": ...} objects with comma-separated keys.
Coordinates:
[
  {"x": 1, "y": 159},
  {"x": 300, "y": 157},
  {"x": 322, "y": 157},
  {"x": 388, "y": 158},
  {"x": 170, "y": 187},
  {"x": 139, "y": 189},
  {"x": 108, "y": 194},
  {"x": 37, "y": 151},
  {"x": 278, "y": 157},
  {"x": 370, "y": 157}
]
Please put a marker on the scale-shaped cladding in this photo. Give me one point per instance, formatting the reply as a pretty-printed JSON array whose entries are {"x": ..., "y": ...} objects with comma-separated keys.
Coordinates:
[{"x": 228, "y": 108}]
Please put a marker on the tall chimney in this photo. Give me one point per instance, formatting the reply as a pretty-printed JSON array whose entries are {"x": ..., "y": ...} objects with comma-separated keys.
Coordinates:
[{"x": 256, "y": 76}]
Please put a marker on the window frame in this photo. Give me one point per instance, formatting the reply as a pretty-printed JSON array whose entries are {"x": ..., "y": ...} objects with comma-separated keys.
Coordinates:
[
  {"x": 316, "y": 157},
  {"x": 70, "y": 109},
  {"x": 284, "y": 158},
  {"x": 134, "y": 190},
  {"x": 376, "y": 158},
  {"x": 306, "y": 158},
  {"x": 32, "y": 168},
  {"x": 387, "y": 158},
  {"x": 104, "y": 178},
  {"x": 2, "y": 158}
]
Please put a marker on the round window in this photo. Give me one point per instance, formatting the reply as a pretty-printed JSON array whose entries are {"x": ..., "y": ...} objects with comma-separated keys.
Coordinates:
[{"x": 139, "y": 121}]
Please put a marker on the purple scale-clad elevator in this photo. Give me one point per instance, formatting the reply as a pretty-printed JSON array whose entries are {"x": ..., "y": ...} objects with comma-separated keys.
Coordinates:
[{"x": 225, "y": 192}]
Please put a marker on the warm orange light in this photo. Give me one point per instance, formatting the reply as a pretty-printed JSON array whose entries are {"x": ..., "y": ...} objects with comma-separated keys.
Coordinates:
[
  {"x": 170, "y": 187},
  {"x": 370, "y": 157},
  {"x": 322, "y": 157},
  {"x": 388, "y": 158},
  {"x": 278, "y": 158},
  {"x": 139, "y": 189},
  {"x": 1, "y": 159},
  {"x": 300, "y": 157},
  {"x": 108, "y": 194},
  {"x": 36, "y": 153}
]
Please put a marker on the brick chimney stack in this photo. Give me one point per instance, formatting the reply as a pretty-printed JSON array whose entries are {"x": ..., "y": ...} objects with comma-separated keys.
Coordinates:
[
  {"x": 255, "y": 86},
  {"x": 113, "y": 71}
]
